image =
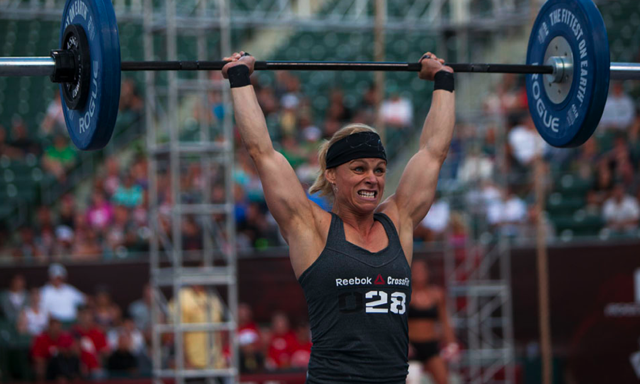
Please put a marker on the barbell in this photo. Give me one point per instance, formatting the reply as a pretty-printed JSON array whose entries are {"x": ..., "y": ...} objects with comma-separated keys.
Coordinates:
[{"x": 568, "y": 70}]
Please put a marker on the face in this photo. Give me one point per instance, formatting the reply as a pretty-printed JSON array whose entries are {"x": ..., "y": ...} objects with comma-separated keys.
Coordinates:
[
  {"x": 18, "y": 283},
  {"x": 360, "y": 183},
  {"x": 280, "y": 324},
  {"x": 244, "y": 313}
]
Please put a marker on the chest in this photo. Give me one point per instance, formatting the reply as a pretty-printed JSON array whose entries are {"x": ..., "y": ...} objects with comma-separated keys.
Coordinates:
[{"x": 376, "y": 241}]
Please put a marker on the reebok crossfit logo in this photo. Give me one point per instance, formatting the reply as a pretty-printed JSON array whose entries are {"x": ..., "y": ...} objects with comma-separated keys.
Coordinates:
[{"x": 379, "y": 280}]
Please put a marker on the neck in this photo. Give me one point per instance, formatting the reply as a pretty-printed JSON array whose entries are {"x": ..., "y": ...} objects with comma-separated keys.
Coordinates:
[{"x": 363, "y": 223}]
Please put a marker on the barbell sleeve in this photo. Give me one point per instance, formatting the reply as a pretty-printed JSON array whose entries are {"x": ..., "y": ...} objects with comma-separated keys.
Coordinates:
[
  {"x": 27, "y": 66},
  {"x": 45, "y": 66},
  {"x": 625, "y": 71}
]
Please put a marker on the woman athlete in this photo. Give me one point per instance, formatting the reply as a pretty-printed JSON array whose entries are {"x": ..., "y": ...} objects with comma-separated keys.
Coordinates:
[
  {"x": 427, "y": 308},
  {"x": 353, "y": 263}
]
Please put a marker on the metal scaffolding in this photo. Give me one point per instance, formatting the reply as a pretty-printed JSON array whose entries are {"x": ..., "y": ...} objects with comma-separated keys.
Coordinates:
[
  {"x": 478, "y": 279},
  {"x": 173, "y": 149}
]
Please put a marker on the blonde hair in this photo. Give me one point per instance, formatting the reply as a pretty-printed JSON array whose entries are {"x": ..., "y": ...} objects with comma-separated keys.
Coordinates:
[{"x": 321, "y": 184}]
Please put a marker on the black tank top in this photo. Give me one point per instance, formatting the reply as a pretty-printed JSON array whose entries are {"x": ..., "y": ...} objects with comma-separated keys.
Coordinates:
[{"x": 358, "y": 303}]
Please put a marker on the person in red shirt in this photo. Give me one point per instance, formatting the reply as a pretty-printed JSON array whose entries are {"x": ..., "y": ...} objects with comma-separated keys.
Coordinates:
[
  {"x": 46, "y": 345},
  {"x": 249, "y": 341},
  {"x": 302, "y": 354},
  {"x": 93, "y": 344},
  {"x": 282, "y": 343}
]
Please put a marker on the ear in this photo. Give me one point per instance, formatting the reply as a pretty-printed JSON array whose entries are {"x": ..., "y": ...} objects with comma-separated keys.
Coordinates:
[{"x": 330, "y": 175}]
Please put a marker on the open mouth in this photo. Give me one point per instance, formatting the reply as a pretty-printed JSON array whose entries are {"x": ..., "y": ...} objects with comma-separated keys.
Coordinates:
[{"x": 368, "y": 194}]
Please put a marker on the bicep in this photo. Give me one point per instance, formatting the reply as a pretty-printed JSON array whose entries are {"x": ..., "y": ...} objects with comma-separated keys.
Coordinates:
[
  {"x": 417, "y": 187},
  {"x": 283, "y": 192}
]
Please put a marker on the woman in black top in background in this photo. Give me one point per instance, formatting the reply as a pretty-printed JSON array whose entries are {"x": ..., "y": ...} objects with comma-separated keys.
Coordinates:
[{"x": 427, "y": 308}]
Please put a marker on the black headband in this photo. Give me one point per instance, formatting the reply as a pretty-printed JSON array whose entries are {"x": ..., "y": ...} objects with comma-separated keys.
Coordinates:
[{"x": 359, "y": 145}]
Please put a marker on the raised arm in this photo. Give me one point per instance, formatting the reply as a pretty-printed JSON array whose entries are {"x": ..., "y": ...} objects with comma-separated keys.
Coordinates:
[
  {"x": 418, "y": 183},
  {"x": 285, "y": 197}
]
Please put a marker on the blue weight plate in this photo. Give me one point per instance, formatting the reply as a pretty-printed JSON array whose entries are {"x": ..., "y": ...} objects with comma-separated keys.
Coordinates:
[
  {"x": 91, "y": 126},
  {"x": 572, "y": 121}
]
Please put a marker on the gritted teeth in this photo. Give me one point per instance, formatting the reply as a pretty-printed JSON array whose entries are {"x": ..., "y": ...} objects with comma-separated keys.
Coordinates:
[{"x": 367, "y": 193}]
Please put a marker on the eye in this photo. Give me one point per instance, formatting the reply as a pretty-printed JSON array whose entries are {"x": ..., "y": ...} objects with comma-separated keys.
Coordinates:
[
  {"x": 380, "y": 171},
  {"x": 358, "y": 169}
]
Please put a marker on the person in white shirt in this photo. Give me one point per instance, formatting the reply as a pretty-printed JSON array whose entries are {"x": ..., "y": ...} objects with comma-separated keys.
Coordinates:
[
  {"x": 621, "y": 212},
  {"x": 434, "y": 225},
  {"x": 619, "y": 111},
  {"x": 508, "y": 214},
  {"x": 33, "y": 319},
  {"x": 397, "y": 112},
  {"x": 475, "y": 167},
  {"x": 60, "y": 299},
  {"x": 525, "y": 142}
]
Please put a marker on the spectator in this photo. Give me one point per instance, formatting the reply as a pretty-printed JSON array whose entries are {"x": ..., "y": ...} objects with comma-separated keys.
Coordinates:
[
  {"x": 100, "y": 212},
  {"x": 5, "y": 148},
  {"x": 122, "y": 233},
  {"x": 525, "y": 143},
  {"x": 508, "y": 214},
  {"x": 337, "y": 110},
  {"x": 64, "y": 365},
  {"x": 619, "y": 111},
  {"x": 105, "y": 313},
  {"x": 128, "y": 194},
  {"x": 136, "y": 338},
  {"x": 21, "y": 140},
  {"x": 93, "y": 344},
  {"x": 47, "y": 344},
  {"x": 397, "y": 112},
  {"x": 67, "y": 213},
  {"x": 621, "y": 211},
  {"x": 53, "y": 122},
  {"x": 199, "y": 306},
  {"x": 191, "y": 235},
  {"x": 434, "y": 225},
  {"x": 475, "y": 167},
  {"x": 63, "y": 246},
  {"x": 86, "y": 244},
  {"x": 603, "y": 183},
  {"x": 619, "y": 160},
  {"x": 130, "y": 100},
  {"x": 249, "y": 340},
  {"x": 28, "y": 249},
  {"x": 15, "y": 299},
  {"x": 45, "y": 229},
  {"x": 59, "y": 299},
  {"x": 122, "y": 362},
  {"x": 509, "y": 97},
  {"x": 282, "y": 342},
  {"x": 302, "y": 354},
  {"x": 112, "y": 177},
  {"x": 59, "y": 158},
  {"x": 140, "y": 311},
  {"x": 33, "y": 319}
]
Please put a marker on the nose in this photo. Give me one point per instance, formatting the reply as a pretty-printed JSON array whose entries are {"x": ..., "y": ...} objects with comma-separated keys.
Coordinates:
[{"x": 371, "y": 178}]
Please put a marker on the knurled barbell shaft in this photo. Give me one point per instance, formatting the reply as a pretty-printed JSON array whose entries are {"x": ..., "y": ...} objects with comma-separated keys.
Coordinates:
[{"x": 44, "y": 66}]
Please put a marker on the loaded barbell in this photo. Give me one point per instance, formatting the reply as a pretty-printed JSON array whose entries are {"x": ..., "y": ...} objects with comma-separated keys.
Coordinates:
[{"x": 567, "y": 62}]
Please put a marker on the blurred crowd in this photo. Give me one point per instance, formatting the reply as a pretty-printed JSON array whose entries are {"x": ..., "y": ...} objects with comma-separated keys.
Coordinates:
[
  {"x": 490, "y": 165},
  {"x": 56, "y": 332}
]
